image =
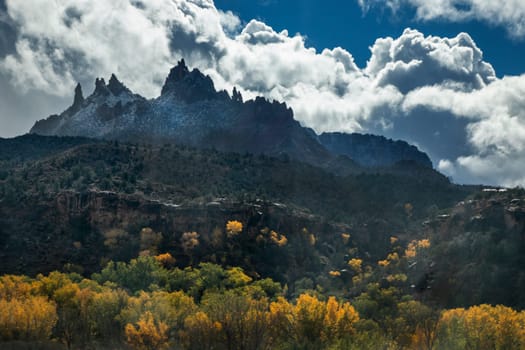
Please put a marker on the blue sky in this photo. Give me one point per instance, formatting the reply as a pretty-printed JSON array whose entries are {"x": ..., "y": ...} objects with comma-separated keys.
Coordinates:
[{"x": 332, "y": 23}]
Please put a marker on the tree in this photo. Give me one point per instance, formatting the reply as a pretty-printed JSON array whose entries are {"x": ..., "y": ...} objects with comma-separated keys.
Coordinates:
[
  {"x": 200, "y": 333},
  {"x": 244, "y": 322},
  {"x": 481, "y": 327},
  {"x": 103, "y": 312},
  {"x": 30, "y": 318},
  {"x": 233, "y": 228},
  {"x": 115, "y": 237},
  {"x": 169, "y": 308},
  {"x": 356, "y": 265},
  {"x": 339, "y": 320},
  {"x": 147, "y": 334},
  {"x": 235, "y": 277},
  {"x": 415, "y": 325},
  {"x": 189, "y": 241},
  {"x": 139, "y": 274},
  {"x": 314, "y": 323},
  {"x": 278, "y": 239},
  {"x": 149, "y": 241},
  {"x": 14, "y": 287},
  {"x": 166, "y": 260}
]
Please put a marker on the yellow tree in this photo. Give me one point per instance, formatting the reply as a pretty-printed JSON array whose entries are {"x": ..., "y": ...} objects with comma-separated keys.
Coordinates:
[
  {"x": 339, "y": 320},
  {"x": 483, "y": 327},
  {"x": 69, "y": 313},
  {"x": 233, "y": 228},
  {"x": 309, "y": 314},
  {"x": 30, "y": 318},
  {"x": 312, "y": 322},
  {"x": 147, "y": 334},
  {"x": 356, "y": 265},
  {"x": 278, "y": 239},
  {"x": 14, "y": 287},
  {"x": 235, "y": 277},
  {"x": 166, "y": 260},
  {"x": 282, "y": 319},
  {"x": 169, "y": 308}
]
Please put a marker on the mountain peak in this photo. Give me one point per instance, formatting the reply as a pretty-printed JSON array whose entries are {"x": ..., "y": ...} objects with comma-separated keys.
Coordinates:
[
  {"x": 79, "y": 97},
  {"x": 177, "y": 74},
  {"x": 100, "y": 87},
  {"x": 236, "y": 95},
  {"x": 189, "y": 86},
  {"x": 115, "y": 86}
]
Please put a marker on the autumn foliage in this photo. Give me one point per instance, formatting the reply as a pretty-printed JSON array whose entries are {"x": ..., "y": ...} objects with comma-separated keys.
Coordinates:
[
  {"x": 233, "y": 228},
  {"x": 147, "y": 334},
  {"x": 150, "y": 303}
]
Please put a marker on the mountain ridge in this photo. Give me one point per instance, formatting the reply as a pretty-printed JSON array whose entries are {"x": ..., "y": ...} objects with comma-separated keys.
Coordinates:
[
  {"x": 192, "y": 112},
  {"x": 373, "y": 150}
]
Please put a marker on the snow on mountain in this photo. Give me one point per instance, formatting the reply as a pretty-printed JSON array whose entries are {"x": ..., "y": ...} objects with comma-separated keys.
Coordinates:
[{"x": 190, "y": 111}]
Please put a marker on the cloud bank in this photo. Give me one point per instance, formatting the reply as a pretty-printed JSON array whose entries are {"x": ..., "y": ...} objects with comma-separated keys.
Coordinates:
[
  {"x": 436, "y": 92},
  {"x": 509, "y": 14}
]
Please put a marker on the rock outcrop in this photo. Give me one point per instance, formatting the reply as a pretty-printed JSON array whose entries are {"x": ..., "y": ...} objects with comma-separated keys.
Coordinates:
[{"x": 79, "y": 98}]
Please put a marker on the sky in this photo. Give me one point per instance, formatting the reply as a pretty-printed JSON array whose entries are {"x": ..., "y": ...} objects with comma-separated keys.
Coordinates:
[
  {"x": 332, "y": 23},
  {"x": 445, "y": 75}
]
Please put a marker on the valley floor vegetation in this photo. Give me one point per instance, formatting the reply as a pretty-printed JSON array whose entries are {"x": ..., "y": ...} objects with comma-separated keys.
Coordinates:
[{"x": 149, "y": 303}]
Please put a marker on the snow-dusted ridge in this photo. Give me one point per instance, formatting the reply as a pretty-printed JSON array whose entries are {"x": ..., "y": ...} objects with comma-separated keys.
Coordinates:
[{"x": 190, "y": 111}]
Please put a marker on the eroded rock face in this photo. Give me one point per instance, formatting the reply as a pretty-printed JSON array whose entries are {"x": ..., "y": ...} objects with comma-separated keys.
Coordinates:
[{"x": 71, "y": 227}]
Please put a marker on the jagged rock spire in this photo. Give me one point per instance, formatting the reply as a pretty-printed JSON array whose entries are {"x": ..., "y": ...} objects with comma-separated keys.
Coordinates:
[
  {"x": 177, "y": 73},
  {"x": 100, "y": 87},
  {"x": 236, "y": 95},
  {"x": 115, "y": 86},
  {"x": 79, "y": 97},
  {"x": 190, "y": 86}
]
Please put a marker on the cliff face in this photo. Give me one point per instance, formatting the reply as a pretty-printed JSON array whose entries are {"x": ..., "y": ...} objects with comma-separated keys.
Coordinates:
[
  {"x": 480, "y": 242},
  {"x": 190, "y": 111},
  {"x": 373, "y": 151},
  {"x": 74, "y": 228}
]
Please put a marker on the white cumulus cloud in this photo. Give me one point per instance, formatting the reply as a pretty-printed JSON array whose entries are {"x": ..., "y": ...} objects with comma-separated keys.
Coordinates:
[
  {"x": 509, "y": 14},
  {"x": 496, "y": 129}
]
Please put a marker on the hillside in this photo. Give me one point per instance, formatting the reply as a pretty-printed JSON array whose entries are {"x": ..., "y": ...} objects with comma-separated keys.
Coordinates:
[
  {"x": 480, "y": 250},
  {"x": 82, "y": 193},
  {"x": 372, "y": 150},
  {"x": 29, "y": 147}
]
